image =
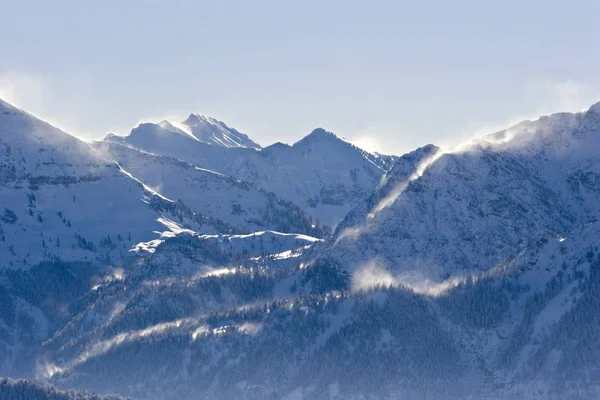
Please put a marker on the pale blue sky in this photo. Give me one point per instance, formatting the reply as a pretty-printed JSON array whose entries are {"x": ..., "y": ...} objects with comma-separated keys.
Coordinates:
[{"x": 391, "y": 75}]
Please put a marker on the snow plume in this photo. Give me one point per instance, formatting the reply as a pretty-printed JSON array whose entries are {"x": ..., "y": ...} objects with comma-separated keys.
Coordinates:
[
  {"x": 370, "y": 275},
  {"x": 374, "y": 274},
  {"x": 114, "y": 274},
  {"x": 118, "y": 308},
  {"x": 102, "y": 347},
  {"x": 399, "y": 189},
  {"x": 146, "y": 187},
  {"x": 353, "y": 232},
  {"x": 46, "y": 370},
  {"x": 200, "y": 331},
  {"x": 218, "y": 272},
  {"x": 250, "y": 328},
  {"x": 427, "y": 287},
  {"x": 62, "y": 101}
]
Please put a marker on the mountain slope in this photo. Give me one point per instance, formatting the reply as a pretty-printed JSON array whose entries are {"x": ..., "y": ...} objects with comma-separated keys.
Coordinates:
[
  {"x": 525, "y": 330},
  {"x": 61, "y": 198},
  {"x": 67, "y": 216},
  {"x": 239, "y": 204},
  {"x": 211, "y": 131},
  {"x": 322, "y": 173},
  {"x": 466, "y": 211},
  {"x": 465, "y": 275}
]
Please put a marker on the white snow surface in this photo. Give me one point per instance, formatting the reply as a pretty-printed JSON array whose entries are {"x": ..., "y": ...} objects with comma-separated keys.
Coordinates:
[{"x": 322, "y": 173}]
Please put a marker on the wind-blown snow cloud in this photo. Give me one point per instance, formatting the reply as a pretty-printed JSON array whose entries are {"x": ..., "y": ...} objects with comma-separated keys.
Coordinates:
[
  {"x": 374, "y": 274},
  {"x": 393, "y": 196},
  {"x": 64, "y": 103},
  {"x": 22, "y": 90},
  {"x": 370, "y": 275},
  {"x": 541, "y": 97},
  {"x": 354, "y": 232}
]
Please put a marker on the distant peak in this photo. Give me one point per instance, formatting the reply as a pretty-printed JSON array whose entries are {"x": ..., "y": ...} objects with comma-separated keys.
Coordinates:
[
  {"x": 320, "y": 132},
  {"x": 195, "y": 119},
  {"x": 212, "y": 131},
  {"x": 317, "y": 135}
]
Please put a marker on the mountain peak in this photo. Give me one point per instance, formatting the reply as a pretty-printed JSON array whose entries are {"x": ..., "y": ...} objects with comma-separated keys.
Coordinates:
[
  {"x": 318, "y": 135},
  {"x": 214, "y": 132},
  {"x": 168, "y": 126},
  {"x": 322, "y": 133},
  {"x": 195, "y": 118}
]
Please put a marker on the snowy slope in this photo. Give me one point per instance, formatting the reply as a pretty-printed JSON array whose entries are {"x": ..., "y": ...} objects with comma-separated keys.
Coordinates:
[
  {"x": 469, "y": 274},
  {"x": 190, "y": 254},
  {"x": 60, "y": 198},
  {"x": 518, "y": 331},
  {"x": 66, "y": 215},
  {"x": 211, "y": 131},
  {"x": 239, "y": 204},
  {"x": 322, "y": 173},
  {"x": 466, "y": 210}
]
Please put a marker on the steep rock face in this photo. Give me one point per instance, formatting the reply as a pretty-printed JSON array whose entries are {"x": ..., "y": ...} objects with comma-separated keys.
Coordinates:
[{"x": 322, "y": 173}]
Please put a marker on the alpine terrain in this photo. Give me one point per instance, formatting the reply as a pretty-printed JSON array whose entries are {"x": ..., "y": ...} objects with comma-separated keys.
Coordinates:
[{"x": 185, "y": 261}]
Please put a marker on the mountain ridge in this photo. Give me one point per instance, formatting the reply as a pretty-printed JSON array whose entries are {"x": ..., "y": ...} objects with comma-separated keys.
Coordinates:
[
  {"x": 468, "y": 273},
  {"x": 322, "y": 173}
]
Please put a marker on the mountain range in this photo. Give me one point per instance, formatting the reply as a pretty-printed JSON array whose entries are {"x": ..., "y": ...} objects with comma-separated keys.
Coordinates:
[
  {"x": 186, "y": 261},
  {"x": 324, "y": 174}
]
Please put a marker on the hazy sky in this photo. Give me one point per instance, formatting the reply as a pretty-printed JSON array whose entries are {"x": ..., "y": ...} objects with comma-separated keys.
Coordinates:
[{"x": 390, "y": 75}]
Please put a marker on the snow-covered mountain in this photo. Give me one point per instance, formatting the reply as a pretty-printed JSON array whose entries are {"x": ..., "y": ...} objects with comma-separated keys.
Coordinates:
[
  {"x": 322, "y": 173},
  {"x": 196, "y": 128},
  {"x": 212, "y": 131},
  {"x": 242, "y": 206},
  {"x": 467, "y": 210},
  {"x": 62, "y": 199},
  {"x": 67, "y": 214},
  {"x": 465, "y": 274}
]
